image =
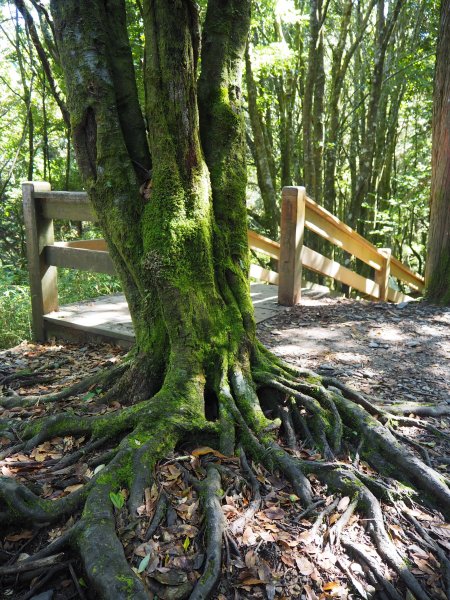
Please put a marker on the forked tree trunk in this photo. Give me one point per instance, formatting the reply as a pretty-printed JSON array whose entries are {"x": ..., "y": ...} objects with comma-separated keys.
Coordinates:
[
  {"x": 179, "y": 243},
  {"x": 437, "y": 272}
]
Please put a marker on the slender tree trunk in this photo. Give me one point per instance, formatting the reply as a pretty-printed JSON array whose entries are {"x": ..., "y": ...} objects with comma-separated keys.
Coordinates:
[
  {"x": 308, "y": 97},
  {"x": 318, "y": 115},
  {"x": 285, "y": 85},
  {"x": 437, "y": 271},
  {"x": 339, "y": 68},
  {"x": 265, "y": 174},
  {"x": 384, "y": 31}
]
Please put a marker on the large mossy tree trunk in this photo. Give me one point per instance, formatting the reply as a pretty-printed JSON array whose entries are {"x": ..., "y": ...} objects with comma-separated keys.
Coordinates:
[
  {"x": 437, "y": 272},
  {"x": 173, "y": 212},
  {"x": 175, "y": 223}
]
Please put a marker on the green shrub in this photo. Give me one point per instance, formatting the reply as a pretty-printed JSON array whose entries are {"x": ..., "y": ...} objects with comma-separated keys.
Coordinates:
[
  {"x": 15, "y": 307},
  {"x": 15, "y": 303},
  {"x": 74, "y": 286}
]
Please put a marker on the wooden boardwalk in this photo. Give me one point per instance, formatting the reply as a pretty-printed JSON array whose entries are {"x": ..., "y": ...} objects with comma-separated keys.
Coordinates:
[{"x": 107, "y": 318}]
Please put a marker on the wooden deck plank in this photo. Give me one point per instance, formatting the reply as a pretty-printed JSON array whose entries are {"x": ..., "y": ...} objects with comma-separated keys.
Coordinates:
[{"x": 107, "y": 318}]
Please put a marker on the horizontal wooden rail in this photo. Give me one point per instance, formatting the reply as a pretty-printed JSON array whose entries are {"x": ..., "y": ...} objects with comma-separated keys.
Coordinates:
[
  {"x": 95, "y": 261},
  {"x": 261, "y": 274},
  {"x": 329, "y": 227},
  {"x": 324, "y": 266},
  {"x": 97, "y": 244},
  {"x": 74, "y": 206},
  {"x": 263, "y": 244},
  {"x": 401, "y": 271},
  {"x": 42, "y": 206}
]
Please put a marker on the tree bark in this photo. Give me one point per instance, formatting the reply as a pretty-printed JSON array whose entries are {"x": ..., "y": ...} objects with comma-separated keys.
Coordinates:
[
  {"x": 340, "y": 65},
  {"x": 266, "y": 179},
  {"x": 308, "y": 97},
  {"x": 437, "y": 271},
  {"x": 385, "y": 28}
]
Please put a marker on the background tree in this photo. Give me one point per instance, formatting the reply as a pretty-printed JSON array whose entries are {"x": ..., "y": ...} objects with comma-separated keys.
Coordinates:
[
  {"x": 438, "y": 257},
  {"x": 375, "y": 73}
]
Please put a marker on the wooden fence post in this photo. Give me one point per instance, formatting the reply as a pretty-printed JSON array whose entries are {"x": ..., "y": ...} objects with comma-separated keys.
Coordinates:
[
  {"x": 291, "y": 242},
  {"x": 382, "y": 276},
  {"x": 39, "y": 233}
]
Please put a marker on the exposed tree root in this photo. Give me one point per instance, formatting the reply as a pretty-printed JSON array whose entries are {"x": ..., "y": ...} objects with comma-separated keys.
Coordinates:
[
  {"x": 102, "y": 378},
  {"x": 363, "y": 556},
  {"x": 435, "y": 548},
  {"x": 210, "y": 490},
  {"x": 421, "y": 410},
  {"x": 31, "y": 565},
  {"x": 25, "y": 375},
  {"x": 287, "y": 407}
]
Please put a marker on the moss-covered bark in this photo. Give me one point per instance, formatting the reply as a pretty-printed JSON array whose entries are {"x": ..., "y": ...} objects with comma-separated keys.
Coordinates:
[{"x": 181, "y": 247}]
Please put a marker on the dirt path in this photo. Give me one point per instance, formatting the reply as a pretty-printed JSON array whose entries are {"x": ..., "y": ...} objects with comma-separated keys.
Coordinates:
[{"x": 399, "y": 353}]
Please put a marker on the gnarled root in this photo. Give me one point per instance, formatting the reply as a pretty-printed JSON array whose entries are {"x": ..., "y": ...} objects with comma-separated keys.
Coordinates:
[{"x": 257, "y": 413}]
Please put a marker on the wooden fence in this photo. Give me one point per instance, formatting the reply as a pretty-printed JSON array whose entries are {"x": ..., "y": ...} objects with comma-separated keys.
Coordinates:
[{"x": 41, "y": 206}]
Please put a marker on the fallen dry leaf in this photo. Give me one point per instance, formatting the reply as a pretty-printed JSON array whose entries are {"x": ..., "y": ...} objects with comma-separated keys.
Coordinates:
[
  {"x": 287, "y": 559},
  {"x": 253, "y": 581},
  {"x": 275, "y": 513},
  {"x": 249, "y": 537},
  {"x": 73, "y": 488},
  {"x": 207, "y": 450},
  {"x": 304, "y": 565},
  {"x": 17, "y": 537}
]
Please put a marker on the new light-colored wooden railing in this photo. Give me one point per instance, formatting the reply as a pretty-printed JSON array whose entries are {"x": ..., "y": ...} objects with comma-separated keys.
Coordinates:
[
  {"x": 298, "y": 212},
  {"x": 41, "y": 206}
]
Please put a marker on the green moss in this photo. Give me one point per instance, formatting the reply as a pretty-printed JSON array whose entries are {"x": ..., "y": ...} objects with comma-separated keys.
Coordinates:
[
  {"x": 314, "y": 380},
  {"x": 128, "y": 584}
]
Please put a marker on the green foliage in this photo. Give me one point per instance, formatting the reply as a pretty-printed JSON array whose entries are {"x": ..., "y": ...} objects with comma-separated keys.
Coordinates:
[
  {"x": 118, "y": 499},
  {"x": 144, "y": 563},
  {"x": 15, "y": 307},
  {"x": 74, "y": 286},
  {"x": 15, "y": 304},
  {"x": 394, "y": 210}
]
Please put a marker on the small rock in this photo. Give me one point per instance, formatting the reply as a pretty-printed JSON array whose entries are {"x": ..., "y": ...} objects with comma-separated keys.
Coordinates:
[
  {"x": 401, "y": 305},
  {"x": 169, "y": 577},
  {"x": 374, "y": 345},
  {"x": 327, "y": 367},
  {"x": 367, "y": 374}
]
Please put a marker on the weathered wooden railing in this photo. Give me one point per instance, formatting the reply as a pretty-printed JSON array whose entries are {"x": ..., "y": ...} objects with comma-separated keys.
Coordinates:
[{"x": 42, "y": 206}]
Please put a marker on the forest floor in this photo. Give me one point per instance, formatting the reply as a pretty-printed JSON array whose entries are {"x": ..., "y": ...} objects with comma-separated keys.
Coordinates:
[{"x": 400, "y": 356}]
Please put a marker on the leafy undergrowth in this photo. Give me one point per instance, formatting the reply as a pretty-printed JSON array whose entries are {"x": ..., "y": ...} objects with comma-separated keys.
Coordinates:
[
  {"x": 273, "y": 548},
  {"x": 15, "y": 303}
]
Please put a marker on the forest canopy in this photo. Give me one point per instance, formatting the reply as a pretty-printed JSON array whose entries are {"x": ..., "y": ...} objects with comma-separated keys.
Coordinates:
[{"x": 327, "y": 119}]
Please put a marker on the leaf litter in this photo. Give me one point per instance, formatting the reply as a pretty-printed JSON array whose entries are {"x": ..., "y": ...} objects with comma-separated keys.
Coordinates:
[{"x": 275, "y": 555}]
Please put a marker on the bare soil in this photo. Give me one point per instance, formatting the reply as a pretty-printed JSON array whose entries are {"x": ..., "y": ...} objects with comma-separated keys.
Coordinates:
[{"x": 399, "y": 353}]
